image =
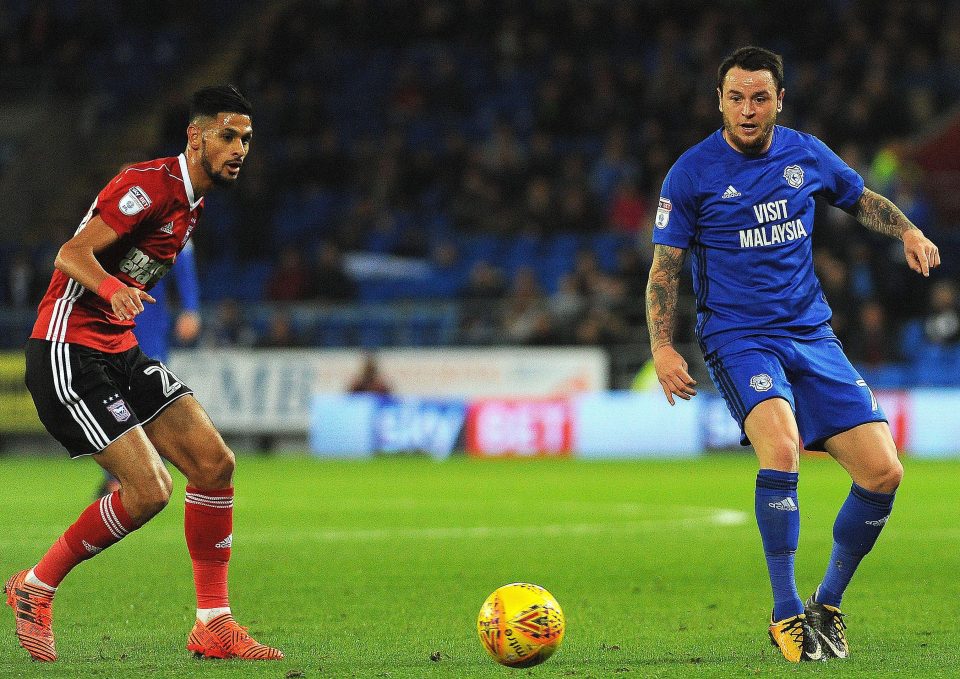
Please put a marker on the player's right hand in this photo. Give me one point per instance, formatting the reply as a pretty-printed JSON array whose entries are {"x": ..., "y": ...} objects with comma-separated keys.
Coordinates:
[
  {"x": 672, "y": 373},
  {"x": 127, "y": 302}
]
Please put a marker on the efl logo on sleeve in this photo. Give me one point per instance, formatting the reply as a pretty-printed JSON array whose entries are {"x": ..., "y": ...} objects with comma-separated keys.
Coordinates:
[
  {"x": 135, "y": 200},
  {"x": 663, "y": 213}
]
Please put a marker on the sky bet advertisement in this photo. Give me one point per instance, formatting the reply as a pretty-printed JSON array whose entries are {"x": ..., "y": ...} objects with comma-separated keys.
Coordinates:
[
  {"x": 592, "y": 425},
  {"x": 620, "y": 424}
]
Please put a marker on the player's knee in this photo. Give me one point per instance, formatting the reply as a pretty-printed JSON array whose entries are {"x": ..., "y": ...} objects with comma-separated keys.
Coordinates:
[
  {"x": 147, "y": 498},
  {"x": 215, "y": 468},
  {"x": 887, "y": 479},
  {"x": 782, "y": 454}
]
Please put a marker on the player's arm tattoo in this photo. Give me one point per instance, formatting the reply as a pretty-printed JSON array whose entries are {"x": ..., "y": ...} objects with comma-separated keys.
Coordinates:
[
  {"x": 663, "y": 288},
  {"x": 880, "y": 214}
]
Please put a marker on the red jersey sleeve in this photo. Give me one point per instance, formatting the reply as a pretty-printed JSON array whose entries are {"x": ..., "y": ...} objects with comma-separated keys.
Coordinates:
[{"x": 130, "y": 199}]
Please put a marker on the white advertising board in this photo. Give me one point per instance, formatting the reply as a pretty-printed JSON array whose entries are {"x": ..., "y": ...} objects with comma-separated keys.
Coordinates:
[{"x": 252, "y": 391}]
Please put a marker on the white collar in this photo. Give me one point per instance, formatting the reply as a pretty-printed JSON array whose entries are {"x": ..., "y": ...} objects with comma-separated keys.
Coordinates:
[{"x": 187, "y": 185}]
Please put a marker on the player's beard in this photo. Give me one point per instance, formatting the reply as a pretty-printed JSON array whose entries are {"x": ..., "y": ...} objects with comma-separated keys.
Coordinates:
[
  {"x": 750, "y": 147},
  {"x": 216, "y": 177}
]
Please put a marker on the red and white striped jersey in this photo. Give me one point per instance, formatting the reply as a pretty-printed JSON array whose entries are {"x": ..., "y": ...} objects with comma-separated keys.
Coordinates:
[{"x": 152, "y": 208}]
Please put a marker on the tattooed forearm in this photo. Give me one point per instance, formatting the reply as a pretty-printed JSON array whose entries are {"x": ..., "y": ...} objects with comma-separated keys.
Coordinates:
[
  {"x": 879, "y": 214},
  {"x": 662, "y": 291}
]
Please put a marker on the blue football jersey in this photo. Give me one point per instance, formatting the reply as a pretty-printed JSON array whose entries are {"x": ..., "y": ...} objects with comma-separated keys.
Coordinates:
[
  {"x": 748, "y": 223},
  {"x": 154, "y": 323}
]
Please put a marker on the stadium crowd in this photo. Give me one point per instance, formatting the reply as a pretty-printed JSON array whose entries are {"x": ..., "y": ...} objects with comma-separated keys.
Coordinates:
[{"x": 505, "y": 155}]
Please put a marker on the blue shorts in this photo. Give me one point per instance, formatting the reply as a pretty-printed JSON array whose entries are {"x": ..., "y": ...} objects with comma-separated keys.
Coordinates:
[{"x": 826, "y": 393}]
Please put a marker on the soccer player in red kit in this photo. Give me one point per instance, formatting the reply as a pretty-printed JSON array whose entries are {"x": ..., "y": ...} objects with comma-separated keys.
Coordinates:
[{"x": 98, "y": 394}]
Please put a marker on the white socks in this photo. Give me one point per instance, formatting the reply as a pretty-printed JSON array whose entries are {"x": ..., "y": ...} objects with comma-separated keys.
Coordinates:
[
  {"x": 205, "y": 615},
  {"x": 32, "y": 579}
]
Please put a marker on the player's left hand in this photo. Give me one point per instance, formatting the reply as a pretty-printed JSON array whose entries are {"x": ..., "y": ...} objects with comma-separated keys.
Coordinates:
[
  {"x": 672, "y": 373},
  {"x": 922, "y": 255}
]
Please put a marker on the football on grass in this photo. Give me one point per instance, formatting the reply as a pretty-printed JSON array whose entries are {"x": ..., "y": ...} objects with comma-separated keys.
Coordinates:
[{"x": 520, "y": 625}]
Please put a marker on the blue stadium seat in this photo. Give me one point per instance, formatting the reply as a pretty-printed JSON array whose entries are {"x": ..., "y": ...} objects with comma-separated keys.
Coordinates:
[
  {"x": 520, "y": 252},
  {"x": 251, "y": 281},
  {"x": 374, "y": 333},
  {"x": 911, "y": 336},
  {"x": 606, "y": 246},
  {"x": 217, "y": 279}
]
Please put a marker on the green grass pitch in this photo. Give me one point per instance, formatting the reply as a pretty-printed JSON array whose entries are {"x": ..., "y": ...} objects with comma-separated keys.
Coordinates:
[{"x": 367, "y": 569}]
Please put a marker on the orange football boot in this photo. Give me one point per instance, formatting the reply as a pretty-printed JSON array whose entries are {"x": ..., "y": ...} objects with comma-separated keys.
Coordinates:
[
  {"x": 33, "y": 608},
  {"x": 222, "y": 637}
]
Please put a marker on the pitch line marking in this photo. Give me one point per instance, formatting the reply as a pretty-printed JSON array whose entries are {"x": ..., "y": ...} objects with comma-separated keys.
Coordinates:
[
  {"x": 708, "y": 516},
  {"x": 715, "y": 517}
]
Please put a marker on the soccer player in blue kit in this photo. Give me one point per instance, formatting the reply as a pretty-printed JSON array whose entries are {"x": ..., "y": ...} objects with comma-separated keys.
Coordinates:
[{"x": 742, "y": 201}]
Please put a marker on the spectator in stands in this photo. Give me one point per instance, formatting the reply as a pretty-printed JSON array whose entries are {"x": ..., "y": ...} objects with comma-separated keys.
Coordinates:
[
  {"x": 567, "y": 304},
  {"x": 631, "y": 269},
  {"x": 542, "y": 159},
  {"x": 613, "y": 168},
  {"x": 228, "y": 327},
  {"x": 870, "y": 339},
  {"x": 290, "y": 280},
  {"x": 577, "y": 211},
  {"x": 599, "y": 328},
  {"x": 539, "y": 212},
  {"x": 21, "y": 282},
  {"x": 628, "y": 212},
  {"x": 586, "y": 271},
  {"x": 860, "y": 257},
  {"x": 370, "y": 380},
  {"x": 485, "y": 284},
  {"x": 473, "y": 93},
  {"x": 942, "y": 322},
  {"x": 545, "y": 332},
  {"x": 480, "y": 298},
  {"x": 254, "y": 217},
  {"x": 280, "y": 333},
  {"x": 445, "y": 279},
  {"x": 909, "y": 193},
  {"x": 503, "y": 156},
  {"x": 329, "y": 281},
  {"x": 523, "y": 306},
  {"x": 834, "y": 280},
  {"x": 475, "y": 200}
]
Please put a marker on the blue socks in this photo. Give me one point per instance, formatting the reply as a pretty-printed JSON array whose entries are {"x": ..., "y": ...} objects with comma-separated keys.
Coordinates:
[
  {"x": 856, "y": 530},
  {"x": 778, "y": 517}
]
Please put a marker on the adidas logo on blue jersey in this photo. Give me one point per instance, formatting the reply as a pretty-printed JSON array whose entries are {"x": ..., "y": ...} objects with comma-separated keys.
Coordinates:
[
  {"x": 731, "y": 193},
  {"x": 785, "y": 505}
]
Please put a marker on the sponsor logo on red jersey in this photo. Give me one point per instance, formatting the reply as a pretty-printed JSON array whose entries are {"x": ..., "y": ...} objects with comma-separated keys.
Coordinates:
[{"x": 142, "y": 268}]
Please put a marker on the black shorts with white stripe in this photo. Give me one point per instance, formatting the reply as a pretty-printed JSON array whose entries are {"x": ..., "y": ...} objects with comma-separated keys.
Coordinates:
[{"x": 87, "y": 398}]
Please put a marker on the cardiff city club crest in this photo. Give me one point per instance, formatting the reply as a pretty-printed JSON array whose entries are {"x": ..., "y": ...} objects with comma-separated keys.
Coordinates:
[
  {"x": 794, "y": 175},
  {"x": 761, "y": 382}
]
